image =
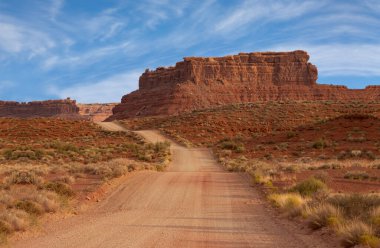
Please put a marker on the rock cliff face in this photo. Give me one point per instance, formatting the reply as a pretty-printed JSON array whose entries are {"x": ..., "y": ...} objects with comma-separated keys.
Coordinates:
[
  {"x": 197, "y": 83},
  {"x": 96, "y": 112},
  {"x": 51, "y": 108}
]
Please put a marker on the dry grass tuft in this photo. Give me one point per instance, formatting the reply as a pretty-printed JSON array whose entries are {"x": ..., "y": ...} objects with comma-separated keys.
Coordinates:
[
  {"x": 310, "y": 187},
  {"x": 292, "y": 204},
  {"x": 357, "y": 232},
  {"x": 323, "y": 215}
]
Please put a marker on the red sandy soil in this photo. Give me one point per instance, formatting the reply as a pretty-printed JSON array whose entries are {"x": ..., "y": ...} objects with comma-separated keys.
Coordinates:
[
  {"x": 205, "y": 127},
  {"x": 63, "y": 140},
  {"x": 288, "y": 131},
  {"x": 193, "y": 204}
]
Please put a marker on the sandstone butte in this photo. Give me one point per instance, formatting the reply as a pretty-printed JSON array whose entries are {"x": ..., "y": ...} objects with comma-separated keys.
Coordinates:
[
  {"x": 197, "y": 83},
  {"x": 52, "y": 108}
]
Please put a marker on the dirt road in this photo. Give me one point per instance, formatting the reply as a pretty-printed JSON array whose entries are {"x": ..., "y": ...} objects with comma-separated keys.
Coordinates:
[{"x": 193, "y": 204}]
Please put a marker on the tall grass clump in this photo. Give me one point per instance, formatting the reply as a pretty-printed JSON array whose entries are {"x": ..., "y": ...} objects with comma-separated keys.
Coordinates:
[
  {"x": 309, "y": 187},
  {"x": 356, "y": 232},
  {"x": 290, "y": 203},
  {"x": 323, "y": 215}
]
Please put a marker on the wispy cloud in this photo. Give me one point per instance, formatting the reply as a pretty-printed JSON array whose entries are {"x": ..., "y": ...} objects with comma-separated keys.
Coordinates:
[
  {"x": 88, "y": 58},
  {"x": 17, "y": 37},
  {"x": 107, "y": 90},
  {"x": 55, "y": 8},
  {"x": 65, "y": 42},
  {"x": 258, "y": 12},
  {"x": 156, "y": 11}
]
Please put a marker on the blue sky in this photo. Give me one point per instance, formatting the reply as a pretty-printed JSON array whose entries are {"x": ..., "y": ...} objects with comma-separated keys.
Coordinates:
[{"x": 95, "y": 50}]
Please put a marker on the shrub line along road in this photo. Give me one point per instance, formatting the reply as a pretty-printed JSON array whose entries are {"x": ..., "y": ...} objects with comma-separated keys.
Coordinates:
[{"x": 195, "y": 203}]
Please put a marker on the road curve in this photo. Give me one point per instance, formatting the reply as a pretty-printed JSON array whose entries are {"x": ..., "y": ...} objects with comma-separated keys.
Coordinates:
[{"x": 194, "y": 203}]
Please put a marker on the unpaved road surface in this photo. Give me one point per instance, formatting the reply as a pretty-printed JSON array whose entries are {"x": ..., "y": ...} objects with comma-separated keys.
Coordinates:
[{"x": 193, "y": 204}]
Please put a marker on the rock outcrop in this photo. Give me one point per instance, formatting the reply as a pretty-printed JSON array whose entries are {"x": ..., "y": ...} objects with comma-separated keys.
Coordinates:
[
  {"x": 97, "y": 111},
  {"x": 197, "y": 83},
  {"x": 52, "y": 108}
]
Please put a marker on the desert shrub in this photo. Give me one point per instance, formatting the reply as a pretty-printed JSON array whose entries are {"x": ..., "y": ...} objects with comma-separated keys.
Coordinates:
[
  {"x": 6, "y": 199},
  {"x": 161, "y": 147},
  {"x": 309, "y": 187},
  {"x": 324, "y": 167},
  {"x": 13, "y": 220},
  {"x": 60, "y": 188},
  {"x": 131, "y": 167},
  {"x": 259, "y": 176},
  {"x": 67, "y": 179},
  {"x": 319, "y": 144},
  {"x": 375, "y": 218},
  {"x": 23, "y": 152},
  {"x": 23, "y": 177},
  {"x": 322, "y": 176},
  {"x": 234, "y": 145},
  {"x": 29, "y": 207},
  {"x": 5, "y": 228},
  {"x": 323, "y": 215},
  {"x": 292, "y": 169},
  {"x": 357, "y": 232},
  {"x": 48, "y": 200},
  {"x": 355, "y": 206},
  {"x": 290, "y": 135},
  {"x": 356, "y": 175},
  {"x": 290, "y": 203},
  {"x": 63, "y": 147}
]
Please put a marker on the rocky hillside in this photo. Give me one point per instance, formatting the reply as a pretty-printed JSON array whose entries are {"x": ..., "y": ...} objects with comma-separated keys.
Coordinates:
[{"x": 198, "y": 83}]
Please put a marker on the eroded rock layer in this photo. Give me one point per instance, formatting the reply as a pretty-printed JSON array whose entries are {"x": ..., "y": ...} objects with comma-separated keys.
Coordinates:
[
  {"x": 52, "y": 108},
  {"x": 96, "y": 111},
  {"x": 197, "y": 83}
]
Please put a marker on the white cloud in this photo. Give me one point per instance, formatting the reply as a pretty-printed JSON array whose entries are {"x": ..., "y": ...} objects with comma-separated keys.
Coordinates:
[
  {"x": 107, "y": 90},
  {"x": 341, "y": 59},
  {"x": 154, "y": 12},
  {"x": 113, "y": 30},
  {"x": 264, "y": 11},
  {"x": 55, "y": 8},
  {"x": 88, "y": 57},
  {"x": 16, "y": 38}
]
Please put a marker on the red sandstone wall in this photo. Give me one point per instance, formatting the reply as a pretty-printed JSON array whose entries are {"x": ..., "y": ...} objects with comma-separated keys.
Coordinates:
[
  {"x": 197, "y": 83},
  {"x": 51, "y": 108},
  {"x": 96, "y": 112}
]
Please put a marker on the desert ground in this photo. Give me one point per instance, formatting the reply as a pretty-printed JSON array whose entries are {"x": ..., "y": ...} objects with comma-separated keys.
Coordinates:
[
  {"x": 194, "y": 203},
  {"x": 219, "y": 177}
]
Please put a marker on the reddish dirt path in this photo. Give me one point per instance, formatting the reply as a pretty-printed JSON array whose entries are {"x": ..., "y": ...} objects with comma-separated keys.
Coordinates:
[{"x": 193, "y": 204}]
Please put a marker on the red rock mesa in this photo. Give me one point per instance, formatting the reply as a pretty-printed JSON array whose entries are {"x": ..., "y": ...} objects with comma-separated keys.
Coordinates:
[
  {"x": 197, "y": 83},
  {"x": 52, "y": 108}
]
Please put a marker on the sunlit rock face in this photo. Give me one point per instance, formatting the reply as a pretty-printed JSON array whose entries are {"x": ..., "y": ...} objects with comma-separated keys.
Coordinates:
[
  {"x": 197, "y": 83},
  {"x": 52, "y": 108}
]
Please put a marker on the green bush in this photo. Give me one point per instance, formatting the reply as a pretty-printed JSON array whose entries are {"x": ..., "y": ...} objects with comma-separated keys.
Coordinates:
[
  {"x": 319, "y": 144},
  {"x": 228, "y": 144},
  {"x": 309, "y": 187}
]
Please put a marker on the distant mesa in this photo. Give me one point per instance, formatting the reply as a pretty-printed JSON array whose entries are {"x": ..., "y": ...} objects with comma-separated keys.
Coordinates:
[
  {"x": 52, "y": 108},
  {"x": 197, "y": 83},
  {"x": 96, "y": 111}
]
